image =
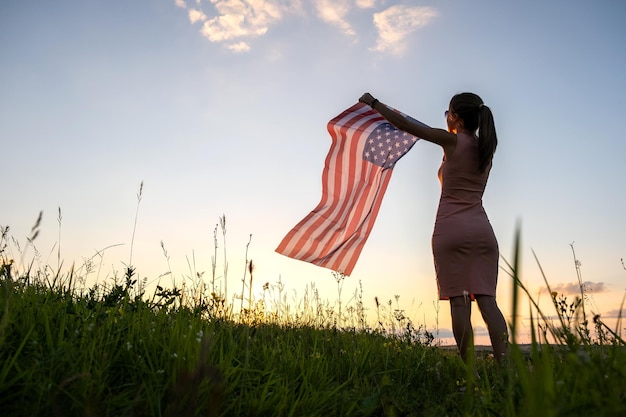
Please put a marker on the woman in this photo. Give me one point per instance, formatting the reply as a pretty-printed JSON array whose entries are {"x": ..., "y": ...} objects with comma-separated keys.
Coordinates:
[{"x": 465, "y": 248}]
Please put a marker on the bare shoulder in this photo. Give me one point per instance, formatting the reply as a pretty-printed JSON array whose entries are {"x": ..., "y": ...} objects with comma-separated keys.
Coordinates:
[{"x": 442, "y": 138}]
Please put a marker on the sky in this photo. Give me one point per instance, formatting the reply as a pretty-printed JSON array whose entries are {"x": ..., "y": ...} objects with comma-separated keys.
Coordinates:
[{"x": 135, "y": 126}]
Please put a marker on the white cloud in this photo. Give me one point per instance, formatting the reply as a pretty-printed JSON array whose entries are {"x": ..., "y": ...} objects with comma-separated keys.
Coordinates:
[
  {"x": 234, "y": 22},
  {"x": 614, "y": 314},
  {"x": 196, "y": 16},
  {"x": 238, "y": 47},
  {"x": 365, "y": 4},
  {"x": 396, "y": 23},
  {"x": 333, "y": 12},
  {"x": 573, "y": 288},
  {"x": 242, "y": 18}
]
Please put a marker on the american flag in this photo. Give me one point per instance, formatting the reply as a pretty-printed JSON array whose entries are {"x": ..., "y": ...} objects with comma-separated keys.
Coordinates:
[{"x": 358, "y": 167}]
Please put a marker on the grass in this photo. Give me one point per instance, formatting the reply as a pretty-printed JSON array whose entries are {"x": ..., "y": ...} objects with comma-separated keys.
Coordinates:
[
  {"x": 113, "y": 350},
  {"x": 115, "y": 354}
]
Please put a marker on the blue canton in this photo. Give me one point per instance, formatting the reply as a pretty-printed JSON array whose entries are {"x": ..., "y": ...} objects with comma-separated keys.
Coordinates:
[{"x": 386, "y": 145}]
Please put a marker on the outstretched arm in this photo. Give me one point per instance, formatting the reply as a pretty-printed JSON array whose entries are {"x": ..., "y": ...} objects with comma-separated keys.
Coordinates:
[{"x": 441, "y": 137}]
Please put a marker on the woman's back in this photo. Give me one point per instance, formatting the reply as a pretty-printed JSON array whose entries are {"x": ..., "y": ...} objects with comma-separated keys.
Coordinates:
[
  {"x": 462, "y": 183},
  {"x": 464, "y": 245}
]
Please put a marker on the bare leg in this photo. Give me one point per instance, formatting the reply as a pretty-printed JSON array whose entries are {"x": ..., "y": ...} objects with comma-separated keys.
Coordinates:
[
  {"x": 496, "y": 325},
  {"x": 461, "y": 309}
]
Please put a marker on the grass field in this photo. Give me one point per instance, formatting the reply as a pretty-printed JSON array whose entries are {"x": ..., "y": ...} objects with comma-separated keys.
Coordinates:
[{"x": 113, "y": 350}]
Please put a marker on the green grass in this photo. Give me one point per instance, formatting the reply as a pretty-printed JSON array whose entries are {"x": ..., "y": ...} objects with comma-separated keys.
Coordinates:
[
  {"x": 112, "y": 350},
  {"x": 107, "y": 355}
]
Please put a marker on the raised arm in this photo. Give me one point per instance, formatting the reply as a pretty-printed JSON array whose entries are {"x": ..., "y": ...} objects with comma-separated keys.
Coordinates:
[{"x": 441, "y": 137}]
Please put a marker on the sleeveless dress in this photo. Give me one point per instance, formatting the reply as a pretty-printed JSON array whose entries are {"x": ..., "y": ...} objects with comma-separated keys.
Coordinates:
[{"x": 465, "y": 248}]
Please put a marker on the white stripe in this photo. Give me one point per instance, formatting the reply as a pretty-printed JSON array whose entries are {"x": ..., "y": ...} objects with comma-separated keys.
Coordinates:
[{"x": 346, "y": 193}]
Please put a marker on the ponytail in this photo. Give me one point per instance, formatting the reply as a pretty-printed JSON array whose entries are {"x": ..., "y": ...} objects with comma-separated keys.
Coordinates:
[
  {"x": 477, "y": 116},
  {"x": 487, "y": 138}
]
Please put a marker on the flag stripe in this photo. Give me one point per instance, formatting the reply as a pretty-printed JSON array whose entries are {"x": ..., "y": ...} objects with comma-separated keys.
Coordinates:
[
  {"x": 344, "y": 258},
  {"x": 334, "y": 233},
  {"x": 339, "y": 191}
]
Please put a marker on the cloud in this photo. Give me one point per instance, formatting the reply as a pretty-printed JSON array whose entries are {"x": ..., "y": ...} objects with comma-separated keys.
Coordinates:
[
  {"x": 398, "y": 22},
  {"x": 573, "y": 288},
  {"x": 234, "y": 22},
  {"x": 196, "y": 16},
  {"x": 481, "y": 331},
  {"x": 239, "y": 47},
  {"x": 334, "y": 12},
  {"x": 365, "y": 4},
  {"x": 241, "y": 19},
  {"x": 613, "y": 314}
]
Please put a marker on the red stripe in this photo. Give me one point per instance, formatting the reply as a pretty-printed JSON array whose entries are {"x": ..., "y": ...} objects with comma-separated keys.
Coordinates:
[
  {"x": 343, "y": 195},
  {"x": 347, "y": 190},
  {"x": 329, "y": 212},
  {"x": 352, "y": 249},
  {"x": 334, "y": 233},
  {"x": 345, "y": 255}
]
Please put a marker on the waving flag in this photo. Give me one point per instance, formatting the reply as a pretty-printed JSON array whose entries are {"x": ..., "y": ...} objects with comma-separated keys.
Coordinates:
[{"x": 364, "y": 150}]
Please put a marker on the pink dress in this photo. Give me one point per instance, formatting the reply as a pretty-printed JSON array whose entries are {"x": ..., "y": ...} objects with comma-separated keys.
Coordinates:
[{"x": 465, "y": 248}]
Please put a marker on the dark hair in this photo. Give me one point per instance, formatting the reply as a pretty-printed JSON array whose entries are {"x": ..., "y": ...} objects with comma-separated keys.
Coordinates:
[{"x": 476, "y": 116}]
